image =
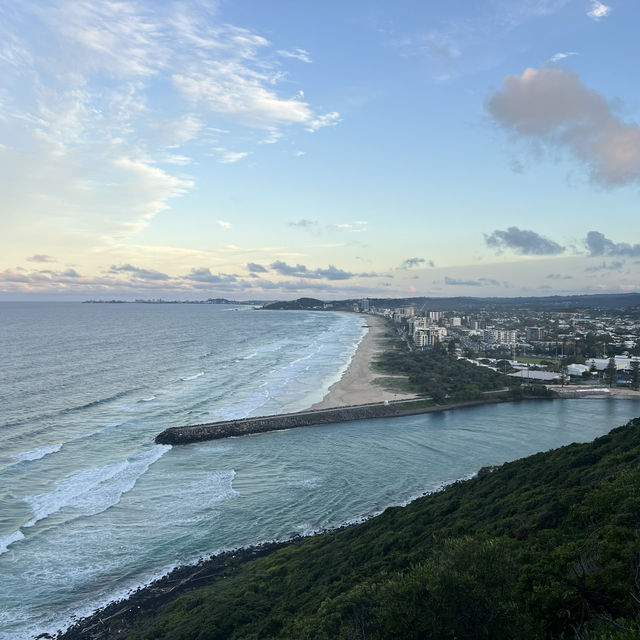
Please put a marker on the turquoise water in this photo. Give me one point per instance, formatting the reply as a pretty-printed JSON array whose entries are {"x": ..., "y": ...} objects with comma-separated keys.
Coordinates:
[{"x": 91, "y": 508}]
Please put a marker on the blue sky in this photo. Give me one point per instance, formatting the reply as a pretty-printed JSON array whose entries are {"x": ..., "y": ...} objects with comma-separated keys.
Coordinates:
[{"x": 274, "y": 150}]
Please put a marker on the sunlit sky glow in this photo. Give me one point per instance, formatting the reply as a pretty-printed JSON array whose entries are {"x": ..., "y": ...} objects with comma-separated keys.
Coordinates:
[{"x": 262, "y": 150}]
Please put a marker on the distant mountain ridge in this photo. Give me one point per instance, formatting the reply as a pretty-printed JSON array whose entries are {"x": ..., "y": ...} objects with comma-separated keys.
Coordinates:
[{"x": 468, "y": 303}]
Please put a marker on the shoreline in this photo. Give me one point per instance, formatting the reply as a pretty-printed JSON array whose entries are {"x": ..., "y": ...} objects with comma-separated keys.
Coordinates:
[
  {"x": 586, "y": 392},
  {"x": 117, "y": 618},
  {"x": 356, "y": 386}
]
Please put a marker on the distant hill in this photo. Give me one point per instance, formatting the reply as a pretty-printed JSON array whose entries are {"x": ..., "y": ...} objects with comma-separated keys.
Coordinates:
[
  {"x": 544, "y": 547},
  {"x": 469, "y": 304},
  {"x": 299, "y": 304},
  {"x": 545, "y": 303}
]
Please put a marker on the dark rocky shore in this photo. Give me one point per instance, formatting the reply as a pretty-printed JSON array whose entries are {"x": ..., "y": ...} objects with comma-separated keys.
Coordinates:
[
  {"x": 247, "y": 426},
  {"x": 118, "y": 619}
]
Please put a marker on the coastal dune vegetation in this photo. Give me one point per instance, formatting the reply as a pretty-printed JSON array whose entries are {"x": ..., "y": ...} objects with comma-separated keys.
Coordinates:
[
  {"x": 543, "y": 547},
  {"x": 439, "y": 375}
]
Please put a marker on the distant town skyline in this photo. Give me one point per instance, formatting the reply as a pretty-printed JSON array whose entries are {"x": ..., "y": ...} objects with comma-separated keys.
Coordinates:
[{"x": 253, "y": 150}]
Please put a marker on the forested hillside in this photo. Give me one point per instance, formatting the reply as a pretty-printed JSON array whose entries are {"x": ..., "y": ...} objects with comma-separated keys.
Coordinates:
[{"x": 544, "y": 547}]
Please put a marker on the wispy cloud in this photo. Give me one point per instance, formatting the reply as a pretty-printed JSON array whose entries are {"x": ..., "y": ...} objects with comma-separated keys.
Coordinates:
[
  {"x": 552, "y": 108},
  {"x": 598, "y": 10},
  {"x": 561, "y": 56},
  {"x": 523, "y": 241},
  {"x": 229, "y": 157},
  {"x": 125, "y": 39},
  {"x": 327, "y": 120},
  {"x": 105, "y": 156},
  {"x": 359, "y": 226},
  {"x": 224, "y": 224},
  {"x": 477, "y": 38},
  {"x": 298, "y": 54}
]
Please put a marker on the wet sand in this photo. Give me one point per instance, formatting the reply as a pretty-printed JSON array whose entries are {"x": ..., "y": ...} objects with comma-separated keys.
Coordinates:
[{"x": 356, "y": 385}]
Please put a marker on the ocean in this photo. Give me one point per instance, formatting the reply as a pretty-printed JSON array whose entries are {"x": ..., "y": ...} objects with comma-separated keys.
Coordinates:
[{"x": 91, "y": 508}]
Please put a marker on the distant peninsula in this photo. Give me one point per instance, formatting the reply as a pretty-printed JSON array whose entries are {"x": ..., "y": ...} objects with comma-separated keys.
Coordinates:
[{"x": 162, "y": 301}]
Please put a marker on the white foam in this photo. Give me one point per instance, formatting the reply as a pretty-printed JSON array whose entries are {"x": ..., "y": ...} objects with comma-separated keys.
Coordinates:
[
  {"x": 149, "y": 399},
  {"x": 251, "y": 355},
  {"x": 96, "y": 489},
  {"x": 36, "y": 454},
  {"x": 308, "y": 483},
  {"x": 211, "y": 488},
  {"x": 5, "y": 541},
  {"x": 197, "y": 375},
  {"x": 219, "y": 486}
]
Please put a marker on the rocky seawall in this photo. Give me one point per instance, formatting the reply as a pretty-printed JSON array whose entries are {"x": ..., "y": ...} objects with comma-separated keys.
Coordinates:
[{"x": 247, "y": 426}]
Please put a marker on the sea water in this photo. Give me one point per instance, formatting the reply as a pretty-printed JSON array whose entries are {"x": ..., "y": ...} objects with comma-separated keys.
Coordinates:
[{"x": 91, "y": 508}]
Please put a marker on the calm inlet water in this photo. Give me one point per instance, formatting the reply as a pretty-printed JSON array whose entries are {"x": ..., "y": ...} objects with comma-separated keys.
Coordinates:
[{"x": 90, "y": 507}]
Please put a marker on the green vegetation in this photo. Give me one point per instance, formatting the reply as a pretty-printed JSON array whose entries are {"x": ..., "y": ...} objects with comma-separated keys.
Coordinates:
[
  {"x": 611, "y": 372},
  {"x": 439, "y": 375},
  {"x": 635, "y": 375},
  {"x": 543, "y": 547},
  {"x": 300, "y": 304}
]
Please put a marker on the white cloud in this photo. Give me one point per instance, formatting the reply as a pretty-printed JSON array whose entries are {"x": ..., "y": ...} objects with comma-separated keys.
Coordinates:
[
  {"x": 176, "y": 132},
  {"x": 232, "y": 90},
  {"x": 298, "y": 54},
  {"x": 561, "y": 56},
  {"x": 152, "y": 183},
  {"x": 327, "y": 120},
  {"x": 358, "y": 226},
  {"x": 123, "y": 38},
  {"x": 176, "y": 159},
  {"x": 224, "y": 224},
  {"x": 89, "y": 113},
  {"x": 598, "y": 10},
  {"x": 229, "y": 157},
  {"x": 273, "y": 136},
  {"x": 552, "y": 108}
]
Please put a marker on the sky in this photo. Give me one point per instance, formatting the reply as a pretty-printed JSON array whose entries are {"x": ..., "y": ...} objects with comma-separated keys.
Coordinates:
[{"x": 272, "y": 150}]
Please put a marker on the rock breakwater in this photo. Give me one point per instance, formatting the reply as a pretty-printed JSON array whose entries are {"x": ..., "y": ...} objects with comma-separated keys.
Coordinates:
[{"x": 247, "y": 426}]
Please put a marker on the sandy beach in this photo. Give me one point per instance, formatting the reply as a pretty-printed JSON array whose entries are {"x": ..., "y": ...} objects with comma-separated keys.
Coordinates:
[{"x": 356, "y": 385}]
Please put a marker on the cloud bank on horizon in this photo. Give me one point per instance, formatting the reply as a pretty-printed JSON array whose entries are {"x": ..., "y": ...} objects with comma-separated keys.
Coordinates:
[{"x": 199, "y": 149}]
